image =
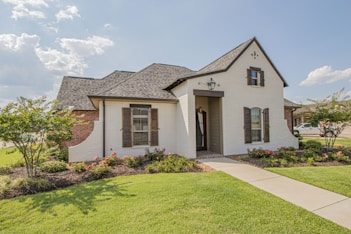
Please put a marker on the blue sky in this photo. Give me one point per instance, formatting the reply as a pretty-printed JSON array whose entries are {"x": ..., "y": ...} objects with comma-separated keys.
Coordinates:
[{"x": 43, "y": 40}]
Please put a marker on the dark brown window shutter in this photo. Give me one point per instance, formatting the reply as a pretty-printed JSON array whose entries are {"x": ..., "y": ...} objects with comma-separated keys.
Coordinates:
[
  {"x": 247, "y": 124},
  {"x": 154, "y": 128},
  {"x": 262, "y": 78},
  {"x": 248, "y": 76},
  {"x": 126, "y": 127},
  {"x": 266, "y": 124}
]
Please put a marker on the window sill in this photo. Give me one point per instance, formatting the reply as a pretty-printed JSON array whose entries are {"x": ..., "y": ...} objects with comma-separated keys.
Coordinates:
[{"x": 140, "y": 146}]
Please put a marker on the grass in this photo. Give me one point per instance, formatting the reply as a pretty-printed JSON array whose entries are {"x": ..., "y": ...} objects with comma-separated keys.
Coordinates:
[
  {"x": 339, "y": 141},
  {"x": 333, "y": 178},
  {"x": 159, "y": 203},
  {"x": 7, "y": 158}
]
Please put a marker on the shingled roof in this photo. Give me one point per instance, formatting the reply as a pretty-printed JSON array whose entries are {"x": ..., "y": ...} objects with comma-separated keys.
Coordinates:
[
  {"x": 147, "y": 83},
  {"x": 74, "y": 91},
  {"x": 153, "y": 82}
]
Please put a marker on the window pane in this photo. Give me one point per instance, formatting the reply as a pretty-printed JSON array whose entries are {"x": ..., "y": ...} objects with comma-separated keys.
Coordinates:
[
  {"x": 140, "y": 124},
  {"x": 254, "y": 74},
  {"x": 140, "y": 111},
  {"x": 140, "y": 138},
  {"x": 255, "y": 118},
  {"x": 256, "y": 135}
]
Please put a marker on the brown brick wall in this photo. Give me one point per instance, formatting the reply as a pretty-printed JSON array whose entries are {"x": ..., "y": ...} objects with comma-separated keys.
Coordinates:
[
  {"x": 287, "y": 116},
  {"x": 82, "y": 131}
]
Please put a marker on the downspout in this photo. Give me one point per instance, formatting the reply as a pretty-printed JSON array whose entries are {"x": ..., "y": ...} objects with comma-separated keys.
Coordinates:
[
  {"x": 103, "y": 128},
  {"x": 292, "y": 119}
]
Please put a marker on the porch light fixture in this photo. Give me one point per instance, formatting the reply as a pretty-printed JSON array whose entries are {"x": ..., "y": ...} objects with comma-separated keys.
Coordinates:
[{"x": 211, "y": 84}]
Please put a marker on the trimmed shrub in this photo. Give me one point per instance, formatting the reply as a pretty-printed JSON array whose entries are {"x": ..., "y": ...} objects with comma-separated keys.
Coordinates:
[
  {"x": 172, "y": 163},
  {"x": 156, "y": 155},
  {"x": 133, "y": 162},
  {"x": 314, "y": 146},
  {"x": 79, "y": 167},
  {"x": 53, "y": 166}
]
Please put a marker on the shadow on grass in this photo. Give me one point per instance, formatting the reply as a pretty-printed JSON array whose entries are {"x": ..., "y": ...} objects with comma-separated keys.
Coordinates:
[{"x": 83, "y": 196}]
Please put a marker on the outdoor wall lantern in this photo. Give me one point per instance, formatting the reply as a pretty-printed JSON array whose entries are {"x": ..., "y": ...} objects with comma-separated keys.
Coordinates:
[{"x": 211, "y": 84}]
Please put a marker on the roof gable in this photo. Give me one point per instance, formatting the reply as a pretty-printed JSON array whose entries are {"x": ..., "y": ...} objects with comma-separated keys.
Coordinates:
[{"x": 223, "y": 63}]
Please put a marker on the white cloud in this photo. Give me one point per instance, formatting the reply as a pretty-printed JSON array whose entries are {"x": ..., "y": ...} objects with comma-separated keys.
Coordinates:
[
  {"x": 55, "y": 60},
  {"x": 94, "y": 45},
  {"x": 16, "y": 43},
  {"x": 108, "y": 26},
  {"x": 71, "y": 60},
  {"x": 24, "y": 8},
  {"x": 67, "y": 14},
  {"x": 325, "y": 75}
]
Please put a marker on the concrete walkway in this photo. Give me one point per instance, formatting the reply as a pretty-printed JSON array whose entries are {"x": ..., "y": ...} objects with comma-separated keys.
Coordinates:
[{"x": 326, "y": 204}]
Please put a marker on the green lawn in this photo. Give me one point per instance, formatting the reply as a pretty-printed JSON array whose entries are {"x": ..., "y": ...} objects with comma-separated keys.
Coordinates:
[
  {"x": 159, "y": 203},
  {"x": 339, "y": 141},
  {"x": 336, "y": 179},
  {"x": 7, "y": 158}
]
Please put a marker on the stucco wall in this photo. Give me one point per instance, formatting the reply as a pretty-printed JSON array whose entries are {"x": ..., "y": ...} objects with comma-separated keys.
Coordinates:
[
  {"x": 92, "y": 146},
  {"x": 237, "y": 95}
]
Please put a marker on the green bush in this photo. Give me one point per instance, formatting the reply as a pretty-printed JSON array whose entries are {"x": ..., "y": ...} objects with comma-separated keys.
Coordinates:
[
  {"x": 62, "y": 155},
  {"x": 156, "y": 155},
  {"x": 29, "y": 185},
  {"x": 171, "y": 163},
  {"x": 133, "y": 162},
  {"x": 79, "y": 167},
  {"x": 309, "y": 153},
  {"x": 53, "y": 166},
  {"x": 32, "y": 185},
  {"x": 5, "y": 170},
  {"x": 314, "y": 146}
]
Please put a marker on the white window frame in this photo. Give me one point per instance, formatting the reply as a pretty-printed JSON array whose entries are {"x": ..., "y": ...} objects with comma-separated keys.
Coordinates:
[{"x": 141, "y": 130}]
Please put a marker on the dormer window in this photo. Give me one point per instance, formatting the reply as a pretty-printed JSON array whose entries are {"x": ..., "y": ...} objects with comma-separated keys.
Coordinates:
[{"x": 255, "y": 76}]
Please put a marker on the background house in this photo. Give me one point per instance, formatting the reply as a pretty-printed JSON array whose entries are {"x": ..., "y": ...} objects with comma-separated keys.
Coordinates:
[{"x": 231, "y": 105}]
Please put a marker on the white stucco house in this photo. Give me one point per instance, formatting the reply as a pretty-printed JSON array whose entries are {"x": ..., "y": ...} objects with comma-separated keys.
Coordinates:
[{"x": 233, "y": 104}]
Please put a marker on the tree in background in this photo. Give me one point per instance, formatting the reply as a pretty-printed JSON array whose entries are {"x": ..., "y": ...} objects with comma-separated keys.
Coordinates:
[
  {"x": 333, "y": 114},
  {"x": 30, "y": 123}
]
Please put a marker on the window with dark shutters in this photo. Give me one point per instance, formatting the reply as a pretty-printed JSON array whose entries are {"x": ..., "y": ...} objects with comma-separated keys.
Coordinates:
[
  {"x": 139, "y": 128},
  {"x": 154, "y": 127},
  {"x": 126, "y": 127},
  {"x": 247, "y": 124},
  {"x": 255, "y": 77},
  {"x": 266, "y": 124}
]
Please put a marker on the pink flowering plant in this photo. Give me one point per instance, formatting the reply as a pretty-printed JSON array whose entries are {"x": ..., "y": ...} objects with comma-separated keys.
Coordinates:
[
  {"x": 261, "y": 153},
  {"x": 98, "y": 169}
]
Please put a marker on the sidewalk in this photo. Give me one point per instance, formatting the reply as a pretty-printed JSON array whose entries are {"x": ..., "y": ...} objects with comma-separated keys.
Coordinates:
[{"x": 329, "y": 205}]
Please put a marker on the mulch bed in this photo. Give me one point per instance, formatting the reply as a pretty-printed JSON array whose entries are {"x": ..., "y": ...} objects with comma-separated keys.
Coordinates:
[
  {"x": 67, "y": 178},
  {"x": 258, "y": 162}
]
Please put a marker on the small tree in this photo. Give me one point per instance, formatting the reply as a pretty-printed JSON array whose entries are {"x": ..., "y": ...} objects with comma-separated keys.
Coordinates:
[
  {"x": 28, "y": 123},
  {"x": 333, "y": 114}
]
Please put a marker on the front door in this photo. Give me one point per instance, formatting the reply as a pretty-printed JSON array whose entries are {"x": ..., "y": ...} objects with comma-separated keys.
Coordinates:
[{"x": 201, "y": 130}]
